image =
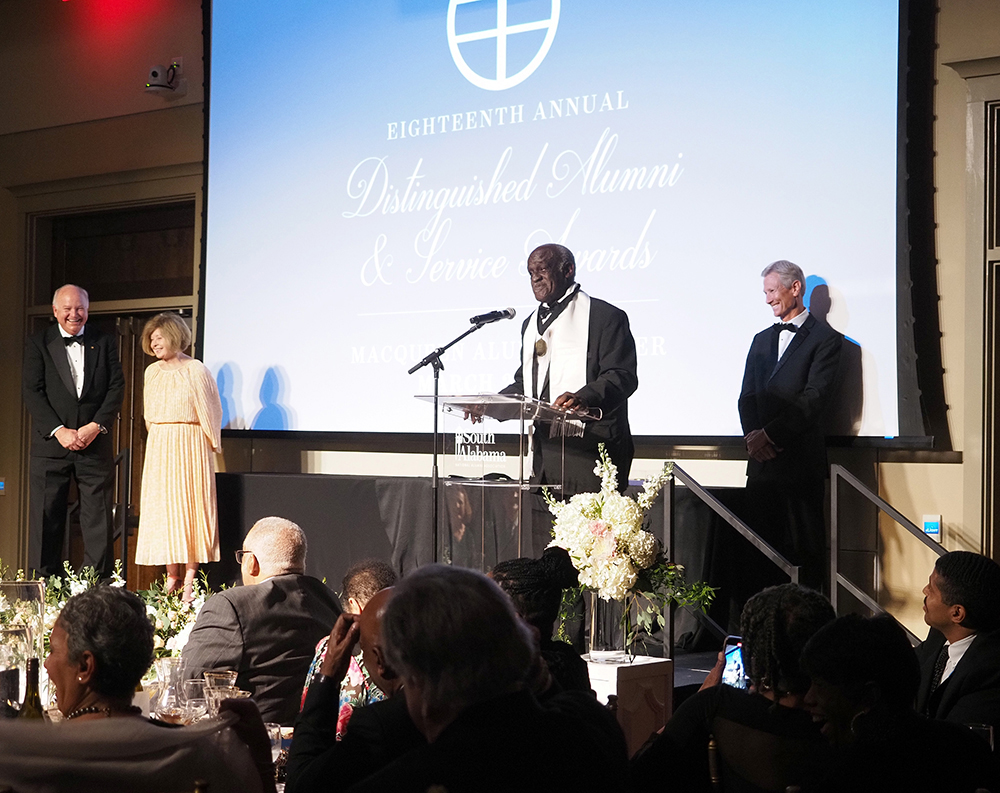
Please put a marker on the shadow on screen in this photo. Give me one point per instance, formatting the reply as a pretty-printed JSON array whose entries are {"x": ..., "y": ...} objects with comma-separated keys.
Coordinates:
[
  {"x": 847, "y": 402},
  {"x": 230, "y": 382},
  {"x": 273, "y": 415}
]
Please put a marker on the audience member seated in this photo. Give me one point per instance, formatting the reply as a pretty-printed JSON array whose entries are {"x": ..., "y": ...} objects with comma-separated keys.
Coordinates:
[
  {"x": 962, "y": 608},
  {"x": 266, "y": 629},
  {"x": 536, "y": 586},
  {"x": 864, "y": 680},
  {"x": 361, "y": 581},
  {"x": 101, "y": 646},
  {"x": 321, "y": 759},
  {"x": 765, "y": 739},
  {"x": 462, "y": 654}
]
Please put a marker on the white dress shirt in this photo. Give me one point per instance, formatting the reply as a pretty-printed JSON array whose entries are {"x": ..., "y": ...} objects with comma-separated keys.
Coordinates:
[
  {"x": 786, "y": 336},
  {"x": 955, "y": 652}
]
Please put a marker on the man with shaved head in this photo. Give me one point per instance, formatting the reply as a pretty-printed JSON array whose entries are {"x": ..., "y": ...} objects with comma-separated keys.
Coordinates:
[
  {"x": 72, "y": 386},
  {"x": 266, "y": 629}
]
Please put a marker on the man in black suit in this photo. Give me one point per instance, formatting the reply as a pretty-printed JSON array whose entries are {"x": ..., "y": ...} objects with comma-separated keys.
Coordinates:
[
  {"x": 376, "y": 734},
  {"x": 960, "y": 659},
  {"x": 72, "y": 387},
  {"x": 578, "y": 353},
  {"x": 267, "y": 629},
  {"x": 790, "y": 375}
]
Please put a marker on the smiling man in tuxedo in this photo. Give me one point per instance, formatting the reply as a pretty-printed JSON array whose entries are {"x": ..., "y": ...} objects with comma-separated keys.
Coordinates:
[
  {"x": 72, "y": 387},
  {"x": 790, "y": 375},
  {"x": 578, "y": 353}
]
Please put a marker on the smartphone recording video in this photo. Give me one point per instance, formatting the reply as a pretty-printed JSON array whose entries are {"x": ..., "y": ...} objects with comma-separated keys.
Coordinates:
[{"x": 734, "y": 673}]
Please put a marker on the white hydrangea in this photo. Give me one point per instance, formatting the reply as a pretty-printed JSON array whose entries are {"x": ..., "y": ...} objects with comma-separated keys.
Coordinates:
[
  {"x": 603, "y": 531},
  {"x": 643, "y": 548},
  {"x": 176, "y": 643}
]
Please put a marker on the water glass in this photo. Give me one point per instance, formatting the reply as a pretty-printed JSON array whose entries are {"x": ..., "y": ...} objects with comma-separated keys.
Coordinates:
[
  {"x": 219, "y": 679},
  {"x": 214, "y": 696},
  {"x": 193, "y": 689},
  {"x": 274, "y": 734},
  {"x": 195, "y": 706}
]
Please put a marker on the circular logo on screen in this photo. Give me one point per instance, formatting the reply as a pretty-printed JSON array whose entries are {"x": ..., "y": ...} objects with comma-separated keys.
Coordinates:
[{"x": 489, "y": 38}]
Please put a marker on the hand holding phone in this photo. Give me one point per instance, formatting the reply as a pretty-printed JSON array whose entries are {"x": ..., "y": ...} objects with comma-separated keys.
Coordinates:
[{"x": 734, "y": 672}]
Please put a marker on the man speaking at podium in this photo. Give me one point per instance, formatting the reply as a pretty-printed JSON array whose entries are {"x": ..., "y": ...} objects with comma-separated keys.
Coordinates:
[{"x": 577, "y": 352}]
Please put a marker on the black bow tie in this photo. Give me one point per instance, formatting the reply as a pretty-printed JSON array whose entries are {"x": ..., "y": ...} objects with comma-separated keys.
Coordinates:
[
  {"x": 544, "y": 311},
  {"x": 780, "y": 326},
  {"x": 68, "y": 340}
]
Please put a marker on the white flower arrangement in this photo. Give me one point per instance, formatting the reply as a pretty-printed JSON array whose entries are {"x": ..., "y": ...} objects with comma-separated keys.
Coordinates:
[
  {"x": 603, "y": 532},
  {"x": 614, "y": 555},
  {"x": 172, "y": 618}
]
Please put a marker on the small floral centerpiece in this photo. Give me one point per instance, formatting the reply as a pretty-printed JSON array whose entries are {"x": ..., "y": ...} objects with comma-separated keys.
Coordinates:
[
  {"x": 59, "y": 589},
  {"x": 616, "y": 558},
  {"x": 172, "y": 618}
]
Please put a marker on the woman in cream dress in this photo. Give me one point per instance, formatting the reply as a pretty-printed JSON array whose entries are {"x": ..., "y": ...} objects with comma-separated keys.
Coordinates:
[{"x": 178, "y": 521}]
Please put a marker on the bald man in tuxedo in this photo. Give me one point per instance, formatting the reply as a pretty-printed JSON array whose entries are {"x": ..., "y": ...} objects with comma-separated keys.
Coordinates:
[{"x": 72, "y": 387}]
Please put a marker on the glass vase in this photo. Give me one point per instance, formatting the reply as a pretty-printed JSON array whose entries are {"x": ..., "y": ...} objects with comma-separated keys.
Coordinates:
[
  {"x": 22, "y": 625},
  {"x": 169, "y": 704},
  {"x": 607, "y": 635}
]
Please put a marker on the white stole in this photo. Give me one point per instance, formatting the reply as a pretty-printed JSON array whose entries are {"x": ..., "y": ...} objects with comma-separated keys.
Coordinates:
[{"x": 565, "y": 358}]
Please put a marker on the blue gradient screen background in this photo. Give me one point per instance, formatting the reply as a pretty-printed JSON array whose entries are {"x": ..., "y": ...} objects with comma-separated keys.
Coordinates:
[{"x": 676, "y": 147}]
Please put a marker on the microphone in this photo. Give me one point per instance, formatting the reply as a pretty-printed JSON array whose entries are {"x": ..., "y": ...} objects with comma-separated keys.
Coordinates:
[{"x": 493, "y": 316}]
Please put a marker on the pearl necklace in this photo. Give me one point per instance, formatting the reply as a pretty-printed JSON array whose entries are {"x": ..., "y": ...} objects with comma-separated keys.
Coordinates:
[
  {"x": 94, "y": 709},
  {"x": 88, "y": 710}
]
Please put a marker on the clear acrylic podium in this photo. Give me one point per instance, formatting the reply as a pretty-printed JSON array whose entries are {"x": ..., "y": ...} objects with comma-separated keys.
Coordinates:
[{"x": 486, "y": 474}]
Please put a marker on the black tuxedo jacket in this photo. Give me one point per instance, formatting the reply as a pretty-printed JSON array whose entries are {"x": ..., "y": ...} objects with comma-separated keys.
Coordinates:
[
  {"x": 971, "y": 694},
  {"x": 50, "y": 394},
  {"x": 376, "y": 735},
  {"x": 611, "y": 380},
  {"x": 267, "y": 633},
  {"x": 786, "y": 398}
]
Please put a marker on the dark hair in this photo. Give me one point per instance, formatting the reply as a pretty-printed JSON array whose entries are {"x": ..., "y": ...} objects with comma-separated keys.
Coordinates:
[
  {"x": 111, "y": 623},
  {"x": 455, "y": 632},
  {"x": 776, "y": 624},
  {"x": 536, "y": 585},
  {"x": 972, "y": 581},
  {"x": 363, "y": 579},
  {"x": 854, "y": 652}
]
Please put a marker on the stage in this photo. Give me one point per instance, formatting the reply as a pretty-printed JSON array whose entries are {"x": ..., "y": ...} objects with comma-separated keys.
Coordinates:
[{"x": 347, "y": 518}]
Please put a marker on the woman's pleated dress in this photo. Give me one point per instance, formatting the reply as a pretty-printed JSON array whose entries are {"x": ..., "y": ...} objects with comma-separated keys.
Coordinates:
[{"x": 178, "y": 516}]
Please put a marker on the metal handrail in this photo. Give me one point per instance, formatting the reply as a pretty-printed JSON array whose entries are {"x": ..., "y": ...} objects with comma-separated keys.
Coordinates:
[
  {"x": 838, "y": 472},
  {"x": 720, "y": 509}
]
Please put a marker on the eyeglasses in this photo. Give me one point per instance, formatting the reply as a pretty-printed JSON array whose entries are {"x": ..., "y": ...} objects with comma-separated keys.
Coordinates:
[{"x": 240, "y": 554}]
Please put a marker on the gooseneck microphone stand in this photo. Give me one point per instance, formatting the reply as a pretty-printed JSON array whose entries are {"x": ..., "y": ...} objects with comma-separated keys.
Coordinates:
[{"x": 434, "y": 359}]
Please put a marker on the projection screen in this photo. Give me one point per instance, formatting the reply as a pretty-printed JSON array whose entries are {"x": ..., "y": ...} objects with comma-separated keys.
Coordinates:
[{"x": 379, "y": 171}]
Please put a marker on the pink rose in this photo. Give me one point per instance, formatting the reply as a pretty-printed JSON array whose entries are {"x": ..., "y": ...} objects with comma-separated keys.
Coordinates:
[{"x": 598, "y": 528}]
